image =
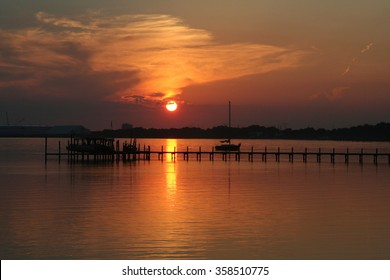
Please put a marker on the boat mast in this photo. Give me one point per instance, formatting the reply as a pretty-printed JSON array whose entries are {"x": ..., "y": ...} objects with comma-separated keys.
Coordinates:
[
  {"x": 229, "y": 116},
  {"x": 229, "y": 121}
]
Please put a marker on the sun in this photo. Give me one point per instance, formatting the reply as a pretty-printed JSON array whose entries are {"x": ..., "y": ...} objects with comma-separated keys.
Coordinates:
[{"x": 171, "y": 106}]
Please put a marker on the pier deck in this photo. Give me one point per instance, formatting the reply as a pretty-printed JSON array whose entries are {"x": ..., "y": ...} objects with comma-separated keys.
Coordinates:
[{"x": 145, "y": 153}]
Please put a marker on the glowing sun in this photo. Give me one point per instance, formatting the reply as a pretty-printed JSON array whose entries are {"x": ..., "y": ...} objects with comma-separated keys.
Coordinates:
[{"x": 171, "y": 106}]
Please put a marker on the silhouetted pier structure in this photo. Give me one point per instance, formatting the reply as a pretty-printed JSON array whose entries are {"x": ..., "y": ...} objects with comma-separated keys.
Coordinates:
[
  {"x": 101, "y": 150},
  {"x": 276, "y": 155},
  {"x": 94, "y": 149}
]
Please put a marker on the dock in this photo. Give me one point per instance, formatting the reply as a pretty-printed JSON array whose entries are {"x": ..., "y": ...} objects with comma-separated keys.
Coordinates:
[{"x": 110, "y": 150}]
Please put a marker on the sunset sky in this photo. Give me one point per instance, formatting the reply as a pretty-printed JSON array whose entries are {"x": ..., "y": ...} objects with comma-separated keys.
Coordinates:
[{"x": 281, "y": 63}]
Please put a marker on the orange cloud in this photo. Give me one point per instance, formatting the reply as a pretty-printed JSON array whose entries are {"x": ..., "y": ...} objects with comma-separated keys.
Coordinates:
[
  {"x": 333, "y": 94},
  {"x": 160, "y": 53}
]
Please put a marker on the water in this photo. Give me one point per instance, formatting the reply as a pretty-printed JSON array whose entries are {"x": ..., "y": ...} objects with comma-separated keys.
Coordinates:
[{"x": 193, "y": 210}]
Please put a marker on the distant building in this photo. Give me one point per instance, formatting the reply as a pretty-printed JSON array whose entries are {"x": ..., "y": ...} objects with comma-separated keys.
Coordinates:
[{"x": 127, "y": 126}]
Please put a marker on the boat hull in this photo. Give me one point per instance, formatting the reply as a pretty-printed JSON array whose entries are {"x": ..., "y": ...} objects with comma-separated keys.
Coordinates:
[{"x": 228, "y": 147}]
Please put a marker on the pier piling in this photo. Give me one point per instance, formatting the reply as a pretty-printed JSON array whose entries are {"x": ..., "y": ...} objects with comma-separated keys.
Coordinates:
[{"x": 45, "y": 150}]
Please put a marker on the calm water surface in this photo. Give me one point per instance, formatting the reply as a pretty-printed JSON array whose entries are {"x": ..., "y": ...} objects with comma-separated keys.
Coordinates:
[{"x": 193, "y": 210}]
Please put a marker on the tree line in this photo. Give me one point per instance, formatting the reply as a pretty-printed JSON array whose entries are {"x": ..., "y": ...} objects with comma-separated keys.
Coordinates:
[{"x": 378, "y": 132}]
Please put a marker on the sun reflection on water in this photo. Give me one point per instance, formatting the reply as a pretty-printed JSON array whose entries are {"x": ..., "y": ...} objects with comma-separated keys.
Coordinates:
[{"x": 170, "y": 169}]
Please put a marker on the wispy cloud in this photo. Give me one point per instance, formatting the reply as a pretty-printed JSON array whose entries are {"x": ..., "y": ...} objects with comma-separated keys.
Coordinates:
[
  {"x": 139, "y": 58},
  {"x": 356, "y": 58},
  {"x": 62, "y": 22},
  {"x": 346, "y": 71},
  {"x": 367, "y": 48}
]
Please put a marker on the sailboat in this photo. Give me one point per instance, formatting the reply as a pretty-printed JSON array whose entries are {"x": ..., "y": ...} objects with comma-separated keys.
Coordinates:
[{"x": 227, "y": 146}]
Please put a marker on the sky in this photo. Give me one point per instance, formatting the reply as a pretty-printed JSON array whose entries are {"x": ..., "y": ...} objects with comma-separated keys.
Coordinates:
[{"x": 98, "y": 63}]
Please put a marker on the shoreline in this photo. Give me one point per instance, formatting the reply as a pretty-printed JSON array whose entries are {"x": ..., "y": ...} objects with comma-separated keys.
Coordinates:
[{"x": 363, "y": 133}]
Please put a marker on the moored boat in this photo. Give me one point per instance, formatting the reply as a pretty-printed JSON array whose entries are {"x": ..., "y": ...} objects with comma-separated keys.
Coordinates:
[{"x": 228, "y": 146}]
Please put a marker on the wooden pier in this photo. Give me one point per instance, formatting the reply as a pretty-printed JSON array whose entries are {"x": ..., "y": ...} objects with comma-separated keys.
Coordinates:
[
  {"x": 134, "y": 152},
  {"x": 266, "y": 155}
]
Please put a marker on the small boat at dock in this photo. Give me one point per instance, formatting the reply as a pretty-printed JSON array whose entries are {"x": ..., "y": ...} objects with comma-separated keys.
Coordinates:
[
  {"x": 227, "y": 146},
  {"x": 130, "y": 147}
]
